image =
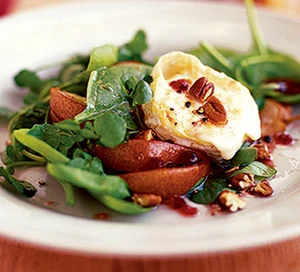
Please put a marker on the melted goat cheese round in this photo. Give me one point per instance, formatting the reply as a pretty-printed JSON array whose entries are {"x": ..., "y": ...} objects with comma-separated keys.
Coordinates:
[{"x": 173, "y": 115}]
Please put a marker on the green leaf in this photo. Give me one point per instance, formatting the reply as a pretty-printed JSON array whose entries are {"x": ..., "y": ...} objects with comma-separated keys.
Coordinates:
[
  {"x": 134, "y": 49},
  {"x": 101, "y": 56},
  {"x": 111, "y": 129},
  {"x": 257, "y": 169},
  {"x": 23, "y": 187},
  {"x": 210, "y": 192},
  {"x": 92, "y": 182},
  {"x": 254, "y": 70},
  {"x": 26, "y": 78},
  {"x": 39, "y": 146},
  {"x": 106, "y": 92},
  {"x": 143, "y": 93},
  {"x": 120, "y": 205},
  {"x": 245, "y": 155}
]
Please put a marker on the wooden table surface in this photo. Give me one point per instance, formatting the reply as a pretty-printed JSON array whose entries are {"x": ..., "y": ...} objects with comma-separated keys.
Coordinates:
[{"x": 17, "y": 256}]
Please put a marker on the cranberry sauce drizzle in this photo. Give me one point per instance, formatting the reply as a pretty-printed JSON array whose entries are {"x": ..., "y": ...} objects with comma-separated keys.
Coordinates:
[
  {"x": 178, "y": 204},
  {"x": 181, "y": 85},
  {"x": 283, "y": 139},
  {"x": 287, "y": 86}
]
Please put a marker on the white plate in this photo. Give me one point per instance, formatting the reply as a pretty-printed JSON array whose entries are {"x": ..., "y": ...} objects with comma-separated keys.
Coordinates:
[{"x": 33, "y": 39}]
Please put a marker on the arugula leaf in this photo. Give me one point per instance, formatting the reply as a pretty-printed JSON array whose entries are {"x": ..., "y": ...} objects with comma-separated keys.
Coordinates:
[
  {"x": 111, "y": 128},
  {"x": 258, "y": 169},
  {"x": 23, "y": 187},
  {"x": 210, "y": 192}
]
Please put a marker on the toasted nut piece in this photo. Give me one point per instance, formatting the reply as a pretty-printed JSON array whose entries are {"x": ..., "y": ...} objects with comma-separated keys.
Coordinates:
[
  {"x": 243, "y": 181},
  {"x": 231, "y": 201},
  {"x": 215, "y": 111},
  {"x": 147, "y": 200},
  {"x": 262, "y": 152},
  {"x": 263, "y": 188},
  {"x": 145, "y": 135},
  {"x": 201, "y": 89}
]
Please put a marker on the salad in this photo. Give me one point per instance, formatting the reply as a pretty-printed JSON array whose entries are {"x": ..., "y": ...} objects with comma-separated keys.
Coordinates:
[{"x": 133, "y": 133}]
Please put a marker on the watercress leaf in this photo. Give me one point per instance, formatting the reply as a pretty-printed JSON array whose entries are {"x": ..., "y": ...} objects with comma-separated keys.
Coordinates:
[
  {"x": 111, "y": 129},
  {"x": 85, "y": 161},
  {"x": 47, "y": 133},
  {"x": 23, "y": 187},
  {"x": 245, "y": 155},
  {"x": 70, "y": 71},
  {"x": 26, "y": 78},
  {"x": 39, "y": 146},
  {"x": 6, "y": 113},
  {"x": 92, "y": 182},
  {"x": 138, "y": 44},
  {"x": 120, "y": 205},
  {"x": 142, "y": 94},
  {"x": 210, "y": 191},
  {"x": 134, "y": 49},
  {"x": 101, "y": 56},
  {"x": 68, "y": 124},
  {"x": 130, "y": 84},
  {"x": 30, "y": 98},
  {"x": 257, "y": 169}
]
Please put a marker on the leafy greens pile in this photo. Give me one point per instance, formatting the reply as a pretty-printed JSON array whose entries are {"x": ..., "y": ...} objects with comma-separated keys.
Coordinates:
[{"x": 113, "y": 94}]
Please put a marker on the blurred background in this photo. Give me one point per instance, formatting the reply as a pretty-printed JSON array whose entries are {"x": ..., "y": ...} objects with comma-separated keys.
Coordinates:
[{"x": 10, "y": 6}]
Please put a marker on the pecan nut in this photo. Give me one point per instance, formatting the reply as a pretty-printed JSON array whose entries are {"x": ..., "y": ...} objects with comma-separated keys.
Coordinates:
[
  {"x": 263, "y": 188},
  {"x": 201, "y": 89},
  {"x": 262, "y": 152},
  {"x": 243, "y": 181},
  {"x": 215, "y": 111},
  {"x": 231, "y": 201}
]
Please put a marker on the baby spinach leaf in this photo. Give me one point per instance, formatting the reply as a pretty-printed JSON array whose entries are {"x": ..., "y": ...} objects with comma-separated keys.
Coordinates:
[
  {"x": 210, "y": 191},
  {"x": 106, "y": 92},
  {"x": 111, "y": 129},
  {"x": 101, "y": 56},
  {"x": 257, "y": 169}
]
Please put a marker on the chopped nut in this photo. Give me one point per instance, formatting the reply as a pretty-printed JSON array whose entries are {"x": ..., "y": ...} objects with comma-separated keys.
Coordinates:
[
  {"x": 146, "y": 200},
  {"x": 201, "y": 89},
  {"x": 145, "y": 135},
  {"x": 231, "y": 201},
  {"x": 262, "y": 152},
  {"x": 243, "y": 181},
  {"x": 215, "y": 111},
  {"x": 263, "y": 188}
]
